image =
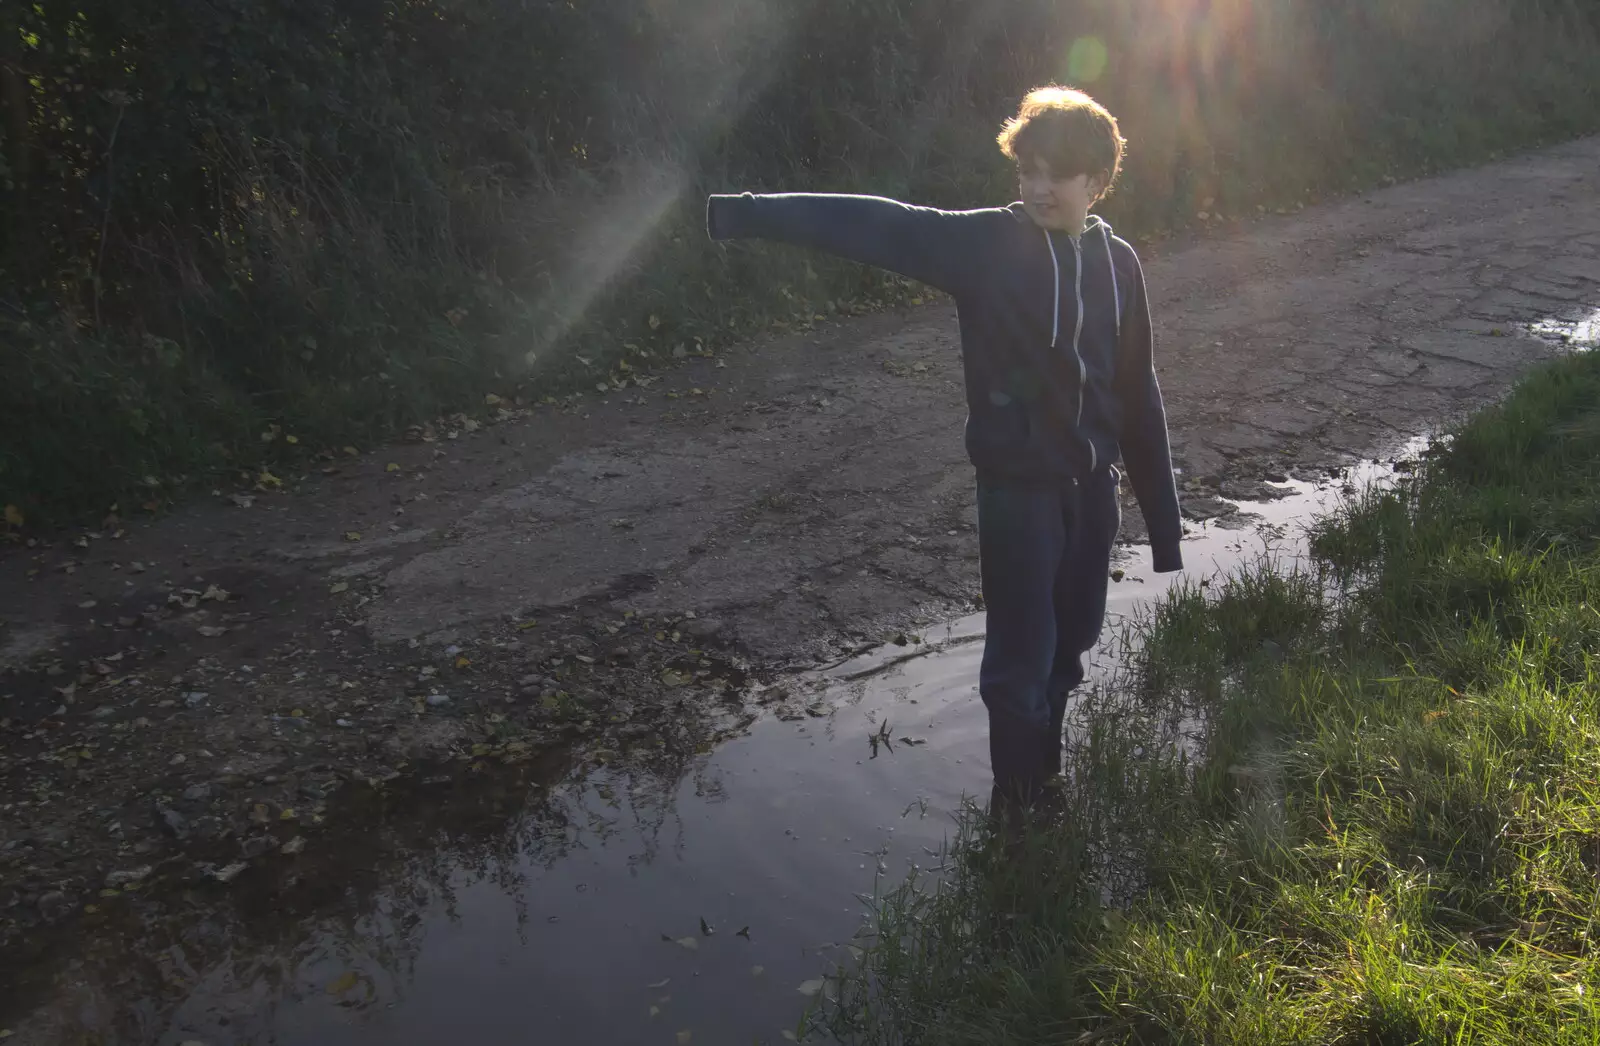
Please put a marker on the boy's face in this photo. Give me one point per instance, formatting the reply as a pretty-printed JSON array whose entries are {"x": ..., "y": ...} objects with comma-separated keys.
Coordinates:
[{"x": 1056, "y": 203}]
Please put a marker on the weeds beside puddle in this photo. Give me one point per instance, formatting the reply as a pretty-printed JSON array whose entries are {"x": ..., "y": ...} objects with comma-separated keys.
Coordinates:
[{"x": 1350, "y": 800}]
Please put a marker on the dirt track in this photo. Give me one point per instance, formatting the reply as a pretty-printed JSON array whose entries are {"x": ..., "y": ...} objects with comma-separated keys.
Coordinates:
[{"x": 810, "y": 496}]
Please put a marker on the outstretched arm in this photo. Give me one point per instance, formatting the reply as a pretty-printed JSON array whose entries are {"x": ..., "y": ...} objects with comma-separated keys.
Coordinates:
[
  {"x": 933, "y": 246},
  {"x": 1145, "y": 447}
]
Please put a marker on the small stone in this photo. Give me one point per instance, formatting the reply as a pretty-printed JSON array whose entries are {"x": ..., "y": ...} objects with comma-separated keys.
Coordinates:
[
  {"x": 195, "y": 698},
  {"x": 104, "y": 712},
  {"x": 230, "y": 873},
  {"x": 54, "y": 905},
  {"x": 175, "y": 823},
  {"x": 196, "y": 793},
  {"x": 295, "y": 845},
  {"x": 343, "y": 723},
  {"x": 178, "y": 760},
  {"x": 703, "y": 627},
  {"x": 121, "y": 880},
  {"x": 438, "y": 700},
  {"x": 257, "y": 845}
]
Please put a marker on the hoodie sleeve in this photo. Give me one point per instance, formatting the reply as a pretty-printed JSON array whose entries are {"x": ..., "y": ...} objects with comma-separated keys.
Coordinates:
[
  {"x": 1145, "y": 448},
  {"x": 932, "y": 246}
]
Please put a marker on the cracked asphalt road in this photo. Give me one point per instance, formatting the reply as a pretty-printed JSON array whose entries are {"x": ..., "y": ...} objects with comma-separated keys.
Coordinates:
[
  {"x": 823, "y": 486},
  {"x": 819, "y": 488}
]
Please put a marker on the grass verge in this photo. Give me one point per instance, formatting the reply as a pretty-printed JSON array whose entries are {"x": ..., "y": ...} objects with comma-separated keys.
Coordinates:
[{"x": 1385, "y": 827}]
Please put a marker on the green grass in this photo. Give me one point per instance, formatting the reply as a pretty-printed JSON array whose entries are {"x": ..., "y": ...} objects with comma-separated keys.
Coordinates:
[{"x": 1388, "y": 829}]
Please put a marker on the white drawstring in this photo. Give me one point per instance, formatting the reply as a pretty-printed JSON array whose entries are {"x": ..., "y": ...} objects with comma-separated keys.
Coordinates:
[{"x": 1116, "y": 296}]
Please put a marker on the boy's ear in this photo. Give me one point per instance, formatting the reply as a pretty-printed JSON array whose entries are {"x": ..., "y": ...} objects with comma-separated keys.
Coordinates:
[{"x": 1099, "y": 185}]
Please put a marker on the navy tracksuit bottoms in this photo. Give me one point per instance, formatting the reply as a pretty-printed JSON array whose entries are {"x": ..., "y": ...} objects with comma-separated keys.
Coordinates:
[{"x": 1046, "y": 557}]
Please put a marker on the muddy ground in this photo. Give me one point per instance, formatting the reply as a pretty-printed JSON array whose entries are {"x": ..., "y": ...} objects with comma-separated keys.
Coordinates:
[{"x": 186, "y": 701}]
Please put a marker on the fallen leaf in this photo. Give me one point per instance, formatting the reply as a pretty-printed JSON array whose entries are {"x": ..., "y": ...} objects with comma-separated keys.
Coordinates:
[
  {"x": 662, "y": 983},
  {"x": 745, "y": 933},
  {"x": 691, "y": 943},
  {"x": 391, "y": 467},
  {"x": 810, "y": 988},
  {"x": 655, "y": 1011},
  {"x": 211, "y": 631},
  {"x": 267, "y": 479},
  {"x": 352, "y": 535},
  {"x": 757, "y": 971},
  {"x": 463, "y": 661},
  {"x": 343, "y": 983},
  {"x": 14, "y": 516},
  {"x": 788, "y": 1035},
  {"x": 705, "y": 927},
  {"x": 684, "y": 1036},
  {"x": 215, "y": 594},
  {"x": 341, "y": 586},
  {"x": 655, "y": 322}
]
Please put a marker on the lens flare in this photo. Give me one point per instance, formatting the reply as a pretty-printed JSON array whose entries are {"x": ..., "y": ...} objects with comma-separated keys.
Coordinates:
[{"x": 1086, "y": 59}]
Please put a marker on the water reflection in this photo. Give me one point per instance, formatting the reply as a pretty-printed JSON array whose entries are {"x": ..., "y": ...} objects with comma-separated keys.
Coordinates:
[
  {"x": 1577, "y": 333},
  {"x": 630, "y": 901}
]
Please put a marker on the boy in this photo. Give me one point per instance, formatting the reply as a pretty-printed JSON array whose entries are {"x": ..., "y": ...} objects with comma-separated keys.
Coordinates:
[{"x": 1057, "y": 353}]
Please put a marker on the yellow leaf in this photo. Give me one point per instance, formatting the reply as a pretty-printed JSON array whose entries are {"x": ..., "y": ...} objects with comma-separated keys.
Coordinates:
[
  {"x": 267, "y": 479},
  {"x": 352, "y": 535},
  {"x": 527, "y": 625},
  {"x": 491, "y": 400},
  {"x": 342, "y": 586},
  {"x": 391, "y": 467},
  {"x": 463, "y": 661},
  {"x": 353, "y": 452},
  {"x": 655, "y": 322},
  {"x": 14, "y": 516},
  {"x": 684, "y": 1036},
  {"x": 298, "y": 713},
  {"x": 343, "y": 983},
  {"x": 288, "y": 814},
  {"x": 291, "y": 440}
]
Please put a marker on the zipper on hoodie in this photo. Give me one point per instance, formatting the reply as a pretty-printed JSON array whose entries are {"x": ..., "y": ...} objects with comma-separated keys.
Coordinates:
[{"x": 1077, "y": 331}]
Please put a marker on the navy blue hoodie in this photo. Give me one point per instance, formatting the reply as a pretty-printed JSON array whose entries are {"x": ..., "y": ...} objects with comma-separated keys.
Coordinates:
[{"x": 1056, "y": 339}]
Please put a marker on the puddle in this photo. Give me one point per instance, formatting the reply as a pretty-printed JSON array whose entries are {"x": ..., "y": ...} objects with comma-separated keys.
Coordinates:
[
  {"x": 566, "y": 905},
  {"x": 1580, "y": 333}
]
